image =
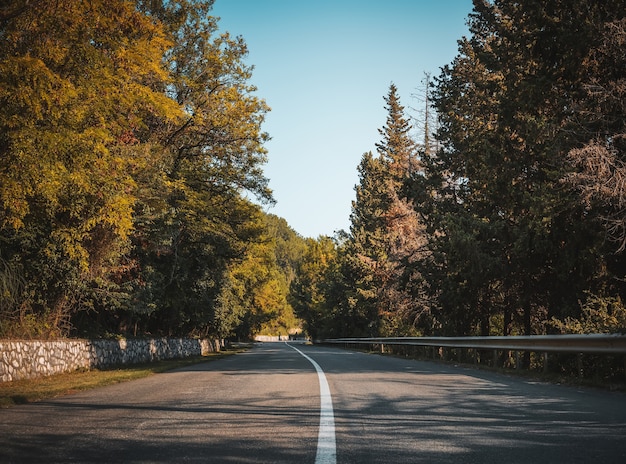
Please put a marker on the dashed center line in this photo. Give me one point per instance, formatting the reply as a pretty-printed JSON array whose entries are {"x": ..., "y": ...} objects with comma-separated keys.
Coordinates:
[{"x": 326, "y": 446}]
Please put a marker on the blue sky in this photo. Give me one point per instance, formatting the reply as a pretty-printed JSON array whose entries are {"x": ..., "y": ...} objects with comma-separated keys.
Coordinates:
[{"x": 324, "y": 67}]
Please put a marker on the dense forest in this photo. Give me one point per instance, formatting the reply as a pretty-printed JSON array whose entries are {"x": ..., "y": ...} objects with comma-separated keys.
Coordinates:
[
  {"x": 508, "y": 217},
  {"x": 132, "y": 190},
  {"x": 130, "y": 144}
]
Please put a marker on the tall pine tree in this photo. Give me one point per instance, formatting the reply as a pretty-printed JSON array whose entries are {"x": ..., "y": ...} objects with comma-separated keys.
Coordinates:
[{"x": 385, "y": 233}]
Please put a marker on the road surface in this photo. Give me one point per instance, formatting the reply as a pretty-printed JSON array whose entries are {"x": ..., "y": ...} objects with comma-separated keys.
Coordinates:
[{"x": 263, "y": 406}]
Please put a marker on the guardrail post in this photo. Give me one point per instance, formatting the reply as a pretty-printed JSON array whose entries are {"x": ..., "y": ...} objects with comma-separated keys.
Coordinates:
[
  {"x": 517, "y": 360},
  {"x": 581, "y": 372},
  {"x": 545, "y": 362}
]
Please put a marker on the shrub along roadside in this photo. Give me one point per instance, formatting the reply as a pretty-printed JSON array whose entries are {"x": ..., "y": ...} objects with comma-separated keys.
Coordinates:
[{"x": 32, "y": 390}]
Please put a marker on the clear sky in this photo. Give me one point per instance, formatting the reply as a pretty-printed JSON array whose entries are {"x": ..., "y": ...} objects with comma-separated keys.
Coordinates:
[{"x": 324, "y": 67}]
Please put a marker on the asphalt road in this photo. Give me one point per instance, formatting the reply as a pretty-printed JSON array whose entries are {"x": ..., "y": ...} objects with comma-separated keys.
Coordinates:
[{"x": 263, "y": 406}]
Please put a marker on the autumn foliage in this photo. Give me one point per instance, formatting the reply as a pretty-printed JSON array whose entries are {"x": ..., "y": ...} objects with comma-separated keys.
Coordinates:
[{"x": 129, "y": 142}]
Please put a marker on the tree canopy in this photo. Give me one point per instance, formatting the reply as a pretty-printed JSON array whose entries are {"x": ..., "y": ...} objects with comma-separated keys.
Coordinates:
[
  {"x": 130, "y": 141},
  {"x": 502, "y": 229},
  {"x": 132, "y": 185}
]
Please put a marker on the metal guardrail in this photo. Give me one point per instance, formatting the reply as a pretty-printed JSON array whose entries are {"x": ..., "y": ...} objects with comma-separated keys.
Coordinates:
[{"x": 592, "y": 343}]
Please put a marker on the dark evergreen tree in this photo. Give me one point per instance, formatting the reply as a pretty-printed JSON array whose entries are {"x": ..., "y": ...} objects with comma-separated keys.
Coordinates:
[
  {"x": 366, "y": 257},
  {"x": 385, "y": 234},
  {"x": 507, "y": 104}
]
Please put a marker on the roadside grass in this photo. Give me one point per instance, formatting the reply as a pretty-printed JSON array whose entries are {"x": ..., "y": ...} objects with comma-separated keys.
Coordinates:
[{"x": 32, "y": 390}]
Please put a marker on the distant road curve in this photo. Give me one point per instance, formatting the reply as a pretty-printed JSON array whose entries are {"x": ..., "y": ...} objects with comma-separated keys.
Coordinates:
[{"x": 263, "y": 406}]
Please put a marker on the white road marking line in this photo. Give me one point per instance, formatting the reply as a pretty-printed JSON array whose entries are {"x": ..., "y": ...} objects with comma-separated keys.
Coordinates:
[{"x": 326, "y": 446}]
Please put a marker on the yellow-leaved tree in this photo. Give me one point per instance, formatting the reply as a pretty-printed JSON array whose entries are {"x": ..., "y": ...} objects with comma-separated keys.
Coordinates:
[
  {"x": 78, "y": 82},
  {"x": 130, "y": 141}
]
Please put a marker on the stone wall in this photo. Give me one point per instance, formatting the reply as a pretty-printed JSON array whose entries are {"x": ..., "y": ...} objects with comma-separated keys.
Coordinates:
[{"x": 25, "y": 359}]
